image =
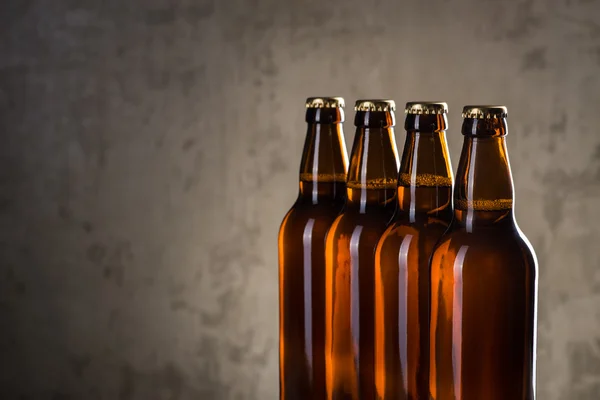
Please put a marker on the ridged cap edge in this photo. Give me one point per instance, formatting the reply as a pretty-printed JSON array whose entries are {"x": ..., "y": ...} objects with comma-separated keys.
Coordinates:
[
  {"x": 375, "y": 105},
  {"x": 325, "y": 102},
  {"x": 426, "y": 107},
  {"x": 484, "y": 112}
]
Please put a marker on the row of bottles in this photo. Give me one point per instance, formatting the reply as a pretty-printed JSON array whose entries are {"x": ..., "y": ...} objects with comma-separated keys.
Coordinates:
[{"x": 390, "y": 286}]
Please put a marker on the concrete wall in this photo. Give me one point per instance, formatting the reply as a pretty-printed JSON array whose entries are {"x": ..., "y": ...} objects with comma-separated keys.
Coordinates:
[{"x": 149, "y": 150}]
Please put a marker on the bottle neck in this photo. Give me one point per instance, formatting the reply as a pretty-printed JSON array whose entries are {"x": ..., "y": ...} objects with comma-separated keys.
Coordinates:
[
  {"x": 324, "y": 163},
  {"x": 425, "y": 177},
  {"x": 484, "y": 184},
  {"x": 373, "y": 168}
]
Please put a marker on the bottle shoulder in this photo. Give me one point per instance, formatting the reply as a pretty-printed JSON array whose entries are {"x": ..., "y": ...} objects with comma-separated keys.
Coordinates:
[
  {"x": 402, "y": 233},
  {"x": 421, "y": 224},
  {"x": 350, "y": 218},
  {"x": 526, "y": 247},
  {"x": 484, "y": 246},
  {"x": 301, "y": 215}
]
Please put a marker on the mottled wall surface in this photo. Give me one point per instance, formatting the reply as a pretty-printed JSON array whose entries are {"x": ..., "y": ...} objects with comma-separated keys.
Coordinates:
[{"x": 150, "y": 148}]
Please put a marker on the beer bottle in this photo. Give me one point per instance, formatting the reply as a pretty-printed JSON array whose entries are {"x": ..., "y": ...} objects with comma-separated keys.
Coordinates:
[
  {"x": 403, "y": 253},
  {"x": 302, "y": 252},
  {"x": 350, "y": 252},
  {"x": 483, "y": 277}
]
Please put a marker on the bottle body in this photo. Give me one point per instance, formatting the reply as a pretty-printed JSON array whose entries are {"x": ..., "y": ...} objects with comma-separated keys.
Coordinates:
[
  {"x": 402, "y": 313},
  {"x": 350, "y": 248},
  {"x": 483, "y": 279},
  {"x": 301, "y": 243},
  {"x": 302, "y": 296},
  {"x": 350, "y": 265},
  {"x": 483, "y": 314},
  {"x": 402, "y": 258}
]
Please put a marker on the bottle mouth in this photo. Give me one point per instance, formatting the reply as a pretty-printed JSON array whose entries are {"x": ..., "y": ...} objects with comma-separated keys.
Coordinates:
[
  {"x": 426, "y": 123},
  {"x": 484, "y": 127},
  {"x": 374, "y": 119},
  {"x": 324, "y": 115}
]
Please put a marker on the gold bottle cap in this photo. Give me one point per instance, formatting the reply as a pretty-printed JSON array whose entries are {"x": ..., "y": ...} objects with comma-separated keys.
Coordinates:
[
  {"x": 426, "y": 107},
  {"x": 484, "y": 112},
  {"x": 325, "y": 102},
  {"x": 375, "y": 105}
]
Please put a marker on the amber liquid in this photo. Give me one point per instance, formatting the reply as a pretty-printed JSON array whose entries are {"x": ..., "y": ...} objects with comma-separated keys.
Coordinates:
[
  {"x": 402, "y": 294},
  {"x": 402, "y": 261},
  {"x": 302, "y": 257},
  {"x": 350, "y": 258},
  {"x": 350, "y": 282},
  {"x": 483, "y": 307},
  {"x": 483, "y": 282},
  {"x": 302, "y": 288}
]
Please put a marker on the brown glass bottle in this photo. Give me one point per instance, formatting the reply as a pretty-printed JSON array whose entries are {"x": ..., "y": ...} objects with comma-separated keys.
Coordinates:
[
  {"x": 302, "y": 252},
  {"x": 483, "y": 278},
  {"x": 350, "y": 251},
  {"x": 403, "y": 253}
]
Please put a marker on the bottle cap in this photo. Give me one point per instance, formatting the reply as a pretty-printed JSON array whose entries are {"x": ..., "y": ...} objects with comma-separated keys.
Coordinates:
[
  {"x": 425, "y": 107},
  {"x": 325, "y": 102},
  {"x": 375, "y": 105},
  {"x": 484, "y": 112}
]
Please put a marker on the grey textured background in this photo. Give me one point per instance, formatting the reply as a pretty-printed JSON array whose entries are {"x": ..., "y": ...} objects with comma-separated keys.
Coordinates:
[{"x": 149, "y": 150}]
